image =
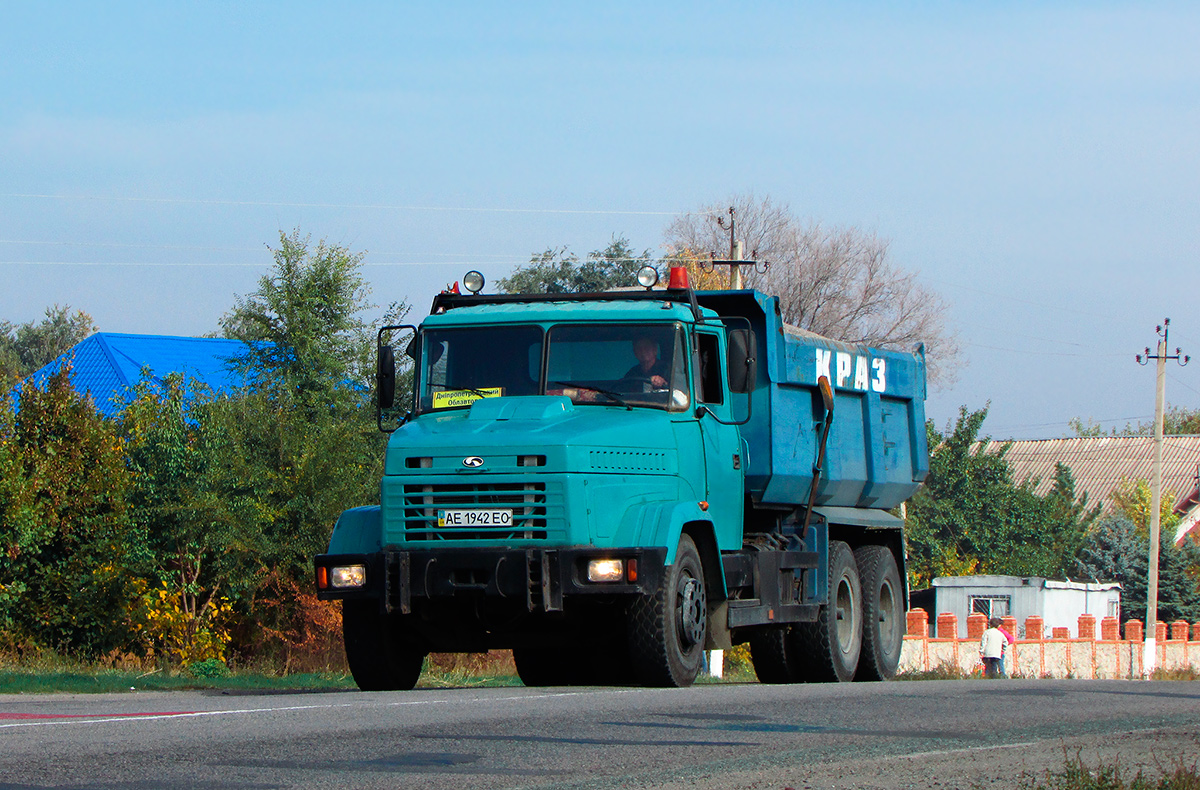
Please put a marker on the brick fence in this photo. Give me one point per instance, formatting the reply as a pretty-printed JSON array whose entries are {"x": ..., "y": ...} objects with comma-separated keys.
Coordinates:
[{"x": 1054, "y": 655}]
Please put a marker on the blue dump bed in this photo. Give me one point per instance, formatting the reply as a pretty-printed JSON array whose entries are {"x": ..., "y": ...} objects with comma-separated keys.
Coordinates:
[{"x": 876, "y": 454}]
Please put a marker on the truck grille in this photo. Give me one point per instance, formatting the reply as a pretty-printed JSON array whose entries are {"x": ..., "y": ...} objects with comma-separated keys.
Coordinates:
[{"x": 529, "y": 503}]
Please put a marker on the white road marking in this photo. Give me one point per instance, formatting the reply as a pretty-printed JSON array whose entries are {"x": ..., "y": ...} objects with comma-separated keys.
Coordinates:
[{"x": 198, "y": 714}]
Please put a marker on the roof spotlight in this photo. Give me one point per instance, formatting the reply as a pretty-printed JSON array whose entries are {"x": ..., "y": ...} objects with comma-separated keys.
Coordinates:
[
  {"x": 473, "y": 281},
  {"x": 647, "y": 277}
]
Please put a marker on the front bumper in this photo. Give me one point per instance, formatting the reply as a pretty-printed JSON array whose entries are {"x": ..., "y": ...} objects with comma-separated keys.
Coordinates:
[{"x": 541, "y": 579}]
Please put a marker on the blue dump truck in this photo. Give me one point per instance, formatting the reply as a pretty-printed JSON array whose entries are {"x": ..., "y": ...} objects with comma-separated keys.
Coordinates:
[{"x": 610, "y": 484}]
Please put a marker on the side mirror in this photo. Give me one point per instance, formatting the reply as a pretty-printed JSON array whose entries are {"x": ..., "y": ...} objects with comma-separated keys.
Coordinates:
[
  {"x": 742, "y": 360},
  {"x": 385, "y": 377}
]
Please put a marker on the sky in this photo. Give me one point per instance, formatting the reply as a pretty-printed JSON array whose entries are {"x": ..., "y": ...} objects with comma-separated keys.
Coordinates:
[{"x": 1036, "y": 164}]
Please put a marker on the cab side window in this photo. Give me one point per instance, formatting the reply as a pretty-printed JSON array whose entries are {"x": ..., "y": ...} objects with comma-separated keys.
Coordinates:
[{"x": 708, "y": 369}]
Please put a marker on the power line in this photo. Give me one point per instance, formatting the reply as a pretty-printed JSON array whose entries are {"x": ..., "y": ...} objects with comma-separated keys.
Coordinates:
[
  {"x": 372, "y": 206},
  {"x": 494, "y": 257},
  {"x": 1040, "y": 353},
  {"x": 187, "y": 264}
]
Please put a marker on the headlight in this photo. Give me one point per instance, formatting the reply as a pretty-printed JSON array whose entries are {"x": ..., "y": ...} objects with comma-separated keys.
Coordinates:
[
  {"x": 343, "y": 576},
  {"x": 647, "y": 276},
  {"x": 606, "y": 570},
  {"x": 473, "y": 281}
]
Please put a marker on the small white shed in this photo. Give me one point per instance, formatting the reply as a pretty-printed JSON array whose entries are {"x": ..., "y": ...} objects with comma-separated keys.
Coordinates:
[{"x": 1058, "y": 603}]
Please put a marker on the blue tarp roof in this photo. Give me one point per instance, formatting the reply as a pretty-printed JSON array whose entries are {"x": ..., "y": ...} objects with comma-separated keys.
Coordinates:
[{"x": 107, "y": 363}]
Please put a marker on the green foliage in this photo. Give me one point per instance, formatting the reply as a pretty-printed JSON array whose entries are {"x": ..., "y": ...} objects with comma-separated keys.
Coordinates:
[
  {"x": 1177, "y": 421},
  {"x": 971, "y": 517},
  {"x": 1117, "y": 550},
  {"x": 71, "y": 553},
  {"x": 1135, "y": 500},
  {"x": 561, "y": 271},
  {"x": 306, "y": 340},
  {"x": 208, "y": 668},
  {"x": 26, "y": 347}
]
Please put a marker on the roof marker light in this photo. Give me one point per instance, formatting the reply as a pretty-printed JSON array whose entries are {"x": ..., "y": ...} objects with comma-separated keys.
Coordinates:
[{"x": 679, "y": 278}]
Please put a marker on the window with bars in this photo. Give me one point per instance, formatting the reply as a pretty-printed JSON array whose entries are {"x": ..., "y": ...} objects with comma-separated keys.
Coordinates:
[{"x": 991, "y": 605}]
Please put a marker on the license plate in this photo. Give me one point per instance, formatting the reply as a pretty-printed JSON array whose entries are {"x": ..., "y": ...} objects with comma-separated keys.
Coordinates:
[{"x": 475, "y": 518}]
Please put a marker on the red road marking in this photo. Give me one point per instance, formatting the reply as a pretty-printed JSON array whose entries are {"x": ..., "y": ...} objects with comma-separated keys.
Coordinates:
[{"x": 25, "y": 716}]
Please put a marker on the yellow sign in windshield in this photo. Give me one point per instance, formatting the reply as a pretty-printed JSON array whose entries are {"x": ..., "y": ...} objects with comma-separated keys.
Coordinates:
[{"x": 449, "y": 399}]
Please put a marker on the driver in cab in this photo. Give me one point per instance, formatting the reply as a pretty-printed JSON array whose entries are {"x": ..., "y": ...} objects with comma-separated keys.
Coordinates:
[{"x": 649, "y": 367}]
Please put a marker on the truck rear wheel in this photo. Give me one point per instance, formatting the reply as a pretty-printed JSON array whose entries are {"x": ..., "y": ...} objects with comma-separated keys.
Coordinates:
[
  {"x": 667, "y": 628},
  {"x": 828, "y": 650},
  {"x": 378, "y": 657},
  {"x": 883, "y": 613}
]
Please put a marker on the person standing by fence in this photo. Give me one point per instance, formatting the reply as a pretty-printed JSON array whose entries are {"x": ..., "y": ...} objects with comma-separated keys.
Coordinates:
[{"x": 991, "y": 649}]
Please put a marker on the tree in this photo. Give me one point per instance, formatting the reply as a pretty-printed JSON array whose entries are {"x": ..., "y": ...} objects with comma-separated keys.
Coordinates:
[
  {"x": 71, "y": 555},
  {"x": 971, "y": 517},
  {"x": 304, "y": 330},
  {"x": 1116, "y": 550},
  {"x": 283, "y": 460},
  {"x": 558, "y": 270},
  {"x": 27, "y": 347},
  {"x": 837, "y": 282}
]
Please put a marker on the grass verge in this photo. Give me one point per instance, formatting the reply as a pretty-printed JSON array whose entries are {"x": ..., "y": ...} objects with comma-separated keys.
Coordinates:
[{"x": 1076, "y": 775}]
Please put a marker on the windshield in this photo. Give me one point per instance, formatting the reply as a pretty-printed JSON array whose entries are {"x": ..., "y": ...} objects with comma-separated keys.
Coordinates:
[
  {"x": 625, "y": 364},
  {"x": 459, "y": 366},
  {"x": 600, "y": 364}
]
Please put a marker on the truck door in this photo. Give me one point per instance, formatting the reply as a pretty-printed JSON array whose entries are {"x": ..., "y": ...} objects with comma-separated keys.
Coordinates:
[{"x": 724, "y": 457}]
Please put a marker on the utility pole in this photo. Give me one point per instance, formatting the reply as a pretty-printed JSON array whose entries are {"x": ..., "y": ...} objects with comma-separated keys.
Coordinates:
[
  {"x": 1149, "y": 651},
  {"x": 735, "y": 262}
]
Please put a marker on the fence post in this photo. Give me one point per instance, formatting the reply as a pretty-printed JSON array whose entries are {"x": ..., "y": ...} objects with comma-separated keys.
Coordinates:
[
  {"x": 947, "y": 626},
  {"x": 918, "y": 622},
  {"x": 976, "y": 624},
  {"x": 1087, "y": 626}
]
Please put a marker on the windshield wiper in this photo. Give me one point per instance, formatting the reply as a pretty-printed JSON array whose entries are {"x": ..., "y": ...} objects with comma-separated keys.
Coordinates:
[{"x": 609, "y": 393}]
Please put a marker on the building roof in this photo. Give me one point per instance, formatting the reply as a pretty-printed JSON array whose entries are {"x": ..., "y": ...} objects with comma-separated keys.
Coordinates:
[
  {"x": 1099, "y": 464},
  {"x": 106, "y": 364},
  {"x": 995, "y": 580}
]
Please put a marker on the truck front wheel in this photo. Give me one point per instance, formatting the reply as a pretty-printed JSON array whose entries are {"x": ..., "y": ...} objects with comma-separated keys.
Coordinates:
[
  {"x": 883, "y": 613},
  {"x": 667, "y": 628},
  {"x": 379, "y": 659},
  {"x": 828, "y": 650}
]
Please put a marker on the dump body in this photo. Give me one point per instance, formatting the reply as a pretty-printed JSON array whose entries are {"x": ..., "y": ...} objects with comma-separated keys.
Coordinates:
[{"x": 876, "y": 455}]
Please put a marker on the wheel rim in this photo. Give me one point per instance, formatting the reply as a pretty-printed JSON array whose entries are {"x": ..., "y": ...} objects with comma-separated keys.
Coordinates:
[
  {"x": 887, "y": 614},
  {"x": 847, "y": 615},
  {"x": 691, "y": 607}
]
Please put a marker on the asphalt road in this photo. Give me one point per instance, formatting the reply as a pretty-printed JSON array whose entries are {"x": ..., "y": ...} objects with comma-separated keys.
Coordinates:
[{"x": 899, "y": 734}]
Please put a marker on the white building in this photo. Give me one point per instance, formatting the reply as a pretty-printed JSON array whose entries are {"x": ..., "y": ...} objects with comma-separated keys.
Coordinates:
[{"x": 1058, "y": 603}]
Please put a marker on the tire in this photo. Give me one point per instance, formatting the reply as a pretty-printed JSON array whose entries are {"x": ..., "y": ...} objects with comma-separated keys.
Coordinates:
[
  {"x": 379, "y": 658},
  {"x": 541, "y": 667},
  {"x": 770, "y": 652},
  {"x": 883, "y": 613},
  {"x": 667, "y": 628},
  {"x": 828, "y": 650}
]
